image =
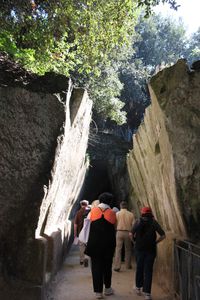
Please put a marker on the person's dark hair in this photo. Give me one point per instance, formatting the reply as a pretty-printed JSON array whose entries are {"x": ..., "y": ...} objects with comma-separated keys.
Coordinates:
[
  {"x": 123, "y": 204},
  {"x": 106, "y": 198}
]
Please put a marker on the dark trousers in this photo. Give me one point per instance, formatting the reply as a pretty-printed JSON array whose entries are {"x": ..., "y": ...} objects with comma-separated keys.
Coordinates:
[
  {"x": 101, "y": 273},
  {"x": 144, "y": 269}
]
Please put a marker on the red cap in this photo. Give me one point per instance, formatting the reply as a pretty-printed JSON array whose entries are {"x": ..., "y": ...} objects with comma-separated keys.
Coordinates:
[{"x": 146, "y": 210}]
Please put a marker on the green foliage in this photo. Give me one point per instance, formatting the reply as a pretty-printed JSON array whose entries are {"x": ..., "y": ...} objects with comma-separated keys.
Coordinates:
[
  {"x": 149, "y": 4},
  {"x": 88, "y": 39},
  {"x": 68, "y": 34},
  {"x": 192, "y": 51},
  {"x": 162, "y": 40},
  {"x": 105, "y": 93},
  {"x": 7, "y": 43},
  {"x": 71, "y": 37}
]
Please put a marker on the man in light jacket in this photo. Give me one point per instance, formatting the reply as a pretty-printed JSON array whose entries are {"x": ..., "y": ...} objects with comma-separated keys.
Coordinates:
[{"x": 125, "y": 221}]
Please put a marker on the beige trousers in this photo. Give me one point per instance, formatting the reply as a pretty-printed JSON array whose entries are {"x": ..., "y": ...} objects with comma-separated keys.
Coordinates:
[
  {"x": 81, "y": 251},
  {"x": 123, "y": 237}
]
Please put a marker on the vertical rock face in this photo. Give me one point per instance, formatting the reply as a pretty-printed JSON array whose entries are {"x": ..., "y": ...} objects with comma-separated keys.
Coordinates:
[
  {"x": 164, "y": 165},
  {"x": 42, "y": 166},
  {"x": 30, "y": 124},
  {"x": 178, "y": 92},
  {"x": 69, "y": 166}
]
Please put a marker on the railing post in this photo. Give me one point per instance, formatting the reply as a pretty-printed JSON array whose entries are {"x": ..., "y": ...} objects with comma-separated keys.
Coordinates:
[
  {"x": 197, "y": 287},
  {"x": 177, "y": 271},
  {"x": 189, "y": 271}
]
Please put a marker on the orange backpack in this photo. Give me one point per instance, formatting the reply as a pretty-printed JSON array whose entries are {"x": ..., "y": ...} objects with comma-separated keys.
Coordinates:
[{"x": 108, "y": 214}]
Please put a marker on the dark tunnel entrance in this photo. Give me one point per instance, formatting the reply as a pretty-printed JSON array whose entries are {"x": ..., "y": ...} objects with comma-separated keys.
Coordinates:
[
  {"x": 97, "y": 181},
  {"x": 107, "y": 171}
]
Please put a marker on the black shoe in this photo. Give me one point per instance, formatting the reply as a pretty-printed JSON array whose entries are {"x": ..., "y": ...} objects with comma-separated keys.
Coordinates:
[
  {"x": 116, "y": 270},
  {"x": 86, "y": 263}
]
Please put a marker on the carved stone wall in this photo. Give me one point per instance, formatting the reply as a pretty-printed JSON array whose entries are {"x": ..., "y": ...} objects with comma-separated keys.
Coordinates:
[
  {"x": 164, "y": 165},
  {"x": 69, "y": 166},
  {"x": 44, "y": 130}
]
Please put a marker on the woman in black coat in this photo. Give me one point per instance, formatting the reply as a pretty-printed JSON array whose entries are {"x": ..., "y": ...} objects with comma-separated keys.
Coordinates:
[{"x": 101, "y": 244}]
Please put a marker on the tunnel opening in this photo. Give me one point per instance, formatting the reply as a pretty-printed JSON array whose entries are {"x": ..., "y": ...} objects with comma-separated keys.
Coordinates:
[{"x": 97, "y": 181}]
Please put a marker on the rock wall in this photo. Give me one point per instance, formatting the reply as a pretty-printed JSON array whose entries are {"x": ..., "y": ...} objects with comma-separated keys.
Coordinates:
[
  {"x": 164, "y": 165},
  {"x": 69, "y": 170},
  {"x": 44, "y": 129}
]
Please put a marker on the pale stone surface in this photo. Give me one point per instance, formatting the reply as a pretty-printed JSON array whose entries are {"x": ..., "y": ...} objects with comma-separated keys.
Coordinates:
[
  {"x": 164, "y": 165},
  {"x": 69, "y": 168}
]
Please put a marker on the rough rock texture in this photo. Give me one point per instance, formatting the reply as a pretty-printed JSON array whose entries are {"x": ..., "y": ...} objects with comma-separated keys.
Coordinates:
[
  {"x": 30, "y": 124},
  {"x": 69, "y": 166},
  {"x": 164, "y": 165},
  {"x": 42, "y": 145}
]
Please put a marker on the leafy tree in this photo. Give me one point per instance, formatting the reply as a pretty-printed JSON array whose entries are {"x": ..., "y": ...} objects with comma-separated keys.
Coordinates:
[
  {"x": 105, "y": 93},
  {"x": 134, "y": 77},
  {"x": 160, "y": 41},
  {"x": 193, "y": 48},
  {"x": 67, "y": 34},
  {"x": 163, "y": 40},
  {"x": 79, "y": 38}
]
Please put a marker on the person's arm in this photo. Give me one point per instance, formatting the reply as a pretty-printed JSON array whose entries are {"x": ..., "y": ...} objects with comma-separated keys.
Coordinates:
[
  {"x": 134, "y": 229},
  {"x": 132, "y": 220},
  {"x": 161, "y": 233},
  {"x": 160, "y": 238}
]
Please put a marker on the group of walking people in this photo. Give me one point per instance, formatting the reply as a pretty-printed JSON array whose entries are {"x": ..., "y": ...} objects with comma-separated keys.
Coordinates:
[{"x": 109, "y": 231}]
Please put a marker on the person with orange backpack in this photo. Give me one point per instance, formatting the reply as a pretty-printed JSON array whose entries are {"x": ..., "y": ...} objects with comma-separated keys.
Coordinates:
[{"x": 101, "y": 245}]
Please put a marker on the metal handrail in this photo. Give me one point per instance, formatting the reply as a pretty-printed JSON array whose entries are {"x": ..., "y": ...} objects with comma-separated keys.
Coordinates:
[
  {"x": 190, "y": 259},
  {"x": 188, "y": 242}
]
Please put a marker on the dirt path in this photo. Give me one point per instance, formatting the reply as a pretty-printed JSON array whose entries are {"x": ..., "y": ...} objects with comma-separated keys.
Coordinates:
[{"x": 74, "y": 282}]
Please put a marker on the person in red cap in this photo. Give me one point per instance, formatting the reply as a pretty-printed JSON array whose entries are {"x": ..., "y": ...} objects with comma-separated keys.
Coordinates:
[
  {"x": 144, "y": 233},
  {"x": 146, "y": 210}
]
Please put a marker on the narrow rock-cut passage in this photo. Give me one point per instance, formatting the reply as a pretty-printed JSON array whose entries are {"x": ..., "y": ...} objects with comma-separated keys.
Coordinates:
[{"x": 74, "y": 282}]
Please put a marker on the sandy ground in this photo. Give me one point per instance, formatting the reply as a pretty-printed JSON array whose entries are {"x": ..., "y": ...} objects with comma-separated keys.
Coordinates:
[{"x": 74, "y": 282}]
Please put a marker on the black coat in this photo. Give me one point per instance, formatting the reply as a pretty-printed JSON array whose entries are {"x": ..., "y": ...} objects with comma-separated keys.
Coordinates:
[
  {"x": 144, "y": 233},
  {"x": 102, "y": 241}
]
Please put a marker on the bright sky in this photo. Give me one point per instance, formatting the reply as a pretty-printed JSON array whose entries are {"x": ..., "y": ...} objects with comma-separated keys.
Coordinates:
[{"x": 189, "y": 11}]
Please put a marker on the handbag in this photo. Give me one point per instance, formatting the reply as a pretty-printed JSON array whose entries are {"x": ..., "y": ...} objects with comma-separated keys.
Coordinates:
[{"x": 84, "y": 233}]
